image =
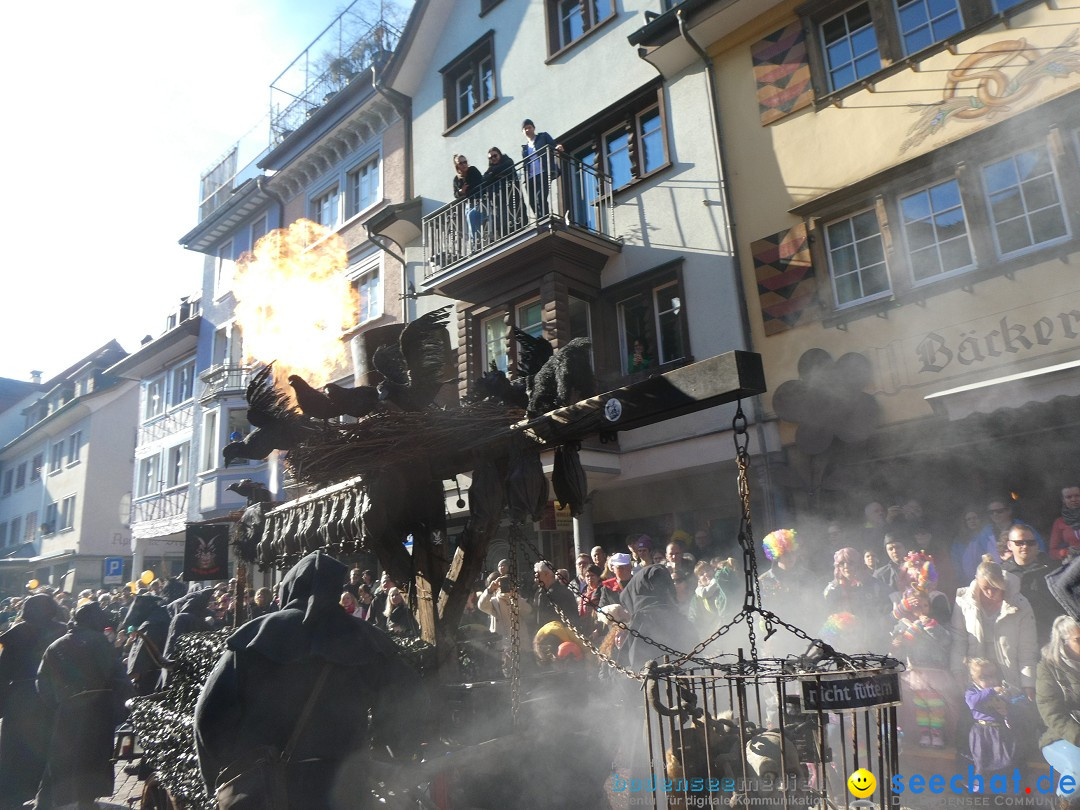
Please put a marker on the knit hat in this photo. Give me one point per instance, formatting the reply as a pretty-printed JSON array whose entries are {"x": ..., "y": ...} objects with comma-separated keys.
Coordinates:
[{"x": 778, "y": 543}]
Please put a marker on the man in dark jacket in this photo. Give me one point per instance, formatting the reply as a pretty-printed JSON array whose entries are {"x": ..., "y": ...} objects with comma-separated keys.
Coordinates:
[
  {"x": 151, "y": 618},
  {"x": 27, "y": 721},
  {"x": 501, "y": 194},
  {"x": 256, "y": 694},
  {"x": 541, "y": 154},
  {"x": 551, "y": 591},
  {"x": 1031, "y": 566},
  {"x": 82, "y": 682},
  {"x": 654, "y": 612}
]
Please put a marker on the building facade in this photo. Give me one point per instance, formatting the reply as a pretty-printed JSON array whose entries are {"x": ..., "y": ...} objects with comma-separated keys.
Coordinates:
[
  {"x": 615, "y": 231},
  {"x": 65, "y": 475},
  {"x": 905, "y": 180}
]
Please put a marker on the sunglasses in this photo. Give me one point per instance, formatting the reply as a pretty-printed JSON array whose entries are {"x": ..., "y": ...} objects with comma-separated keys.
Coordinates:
[{"x": 1020, "y": 543}]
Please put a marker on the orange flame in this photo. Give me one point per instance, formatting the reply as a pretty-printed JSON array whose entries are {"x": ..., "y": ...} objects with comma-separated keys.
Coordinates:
[{"x": 293, "y": 302}]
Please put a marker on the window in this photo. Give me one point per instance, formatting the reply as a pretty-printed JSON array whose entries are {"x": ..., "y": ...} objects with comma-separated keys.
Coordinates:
[
  {"x": 530, "y": 318},
  {"x": 850, "y": 46},
  {"x": 149, "y": 475},
  {"x": 570, "y": 20},
  {"x": 13, "y": 532},
  {"x": 9, "y": 481},
  {"x": 652, "y": 322},
  {"x": 631, "y": 139},
  {"x": 324, "y": 208},
  {"x": 363, "y": 186},
  {"x": 74, "y": 447},
  {"x": 1024, "y": 200},
  {"x": 469, "y": 80},
  {"x": 56, "y": 457},
  {"x": 368, "y": 286},
  {"x": 258, "y": 230},
  {"x": 495, "y": 348},
  {"x": 30, "y": 528},
  {"x": 52, "y": 513},
  {"x": 155, "y": 398},
  {"x": 223, "y": 271},
  {"x": 924, "y": 22},
  {"x": 857, "y": 258},
  {"x": 580, "y": 318},
  {"x": 210, "y": 447},
  {"x": 221, "y": 347},
  {"x": 36, "y": 467},
  {"x": 67, "y": 512},
  {"x": 183, "y": 383},
  {"x": 178, "y": 464},
  {"x": 20, "y": 476},
  {"x": 3, "y": 534},
  {"x": 936, "y": 232},
  {"x": 238, "y": 427}
]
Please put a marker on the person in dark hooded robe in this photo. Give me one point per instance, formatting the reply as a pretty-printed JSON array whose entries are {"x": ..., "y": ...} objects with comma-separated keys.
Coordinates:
[
  {"x": 257, "y": 692},
  {"x": 654, "y": 612},
  {"x": 150, "y": 617},
  {"x": 85, "y": 686},
  {"x": 189, "y": 614},
  {"x": 24, "y": 733}
]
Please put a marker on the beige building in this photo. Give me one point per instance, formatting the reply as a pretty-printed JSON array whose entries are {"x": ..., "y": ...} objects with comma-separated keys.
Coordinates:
[{"x": 905, "y": 179}]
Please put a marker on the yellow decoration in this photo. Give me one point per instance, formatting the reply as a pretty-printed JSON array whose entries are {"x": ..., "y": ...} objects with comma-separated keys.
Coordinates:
[
  {"x": 32, "y": 584},
  {"x": 147, "y": 577}
]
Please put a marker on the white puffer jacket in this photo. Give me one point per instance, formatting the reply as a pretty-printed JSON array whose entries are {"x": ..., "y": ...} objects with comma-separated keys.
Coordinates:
[{"x": 1015, "y": 642}]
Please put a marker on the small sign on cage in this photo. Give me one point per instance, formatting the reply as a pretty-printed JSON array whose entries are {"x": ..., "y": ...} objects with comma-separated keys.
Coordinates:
[{"x": 848, "y": 692}]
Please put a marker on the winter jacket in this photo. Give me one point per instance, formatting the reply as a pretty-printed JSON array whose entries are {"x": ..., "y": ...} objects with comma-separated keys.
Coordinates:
[
  {"x": 497, "y": 606},
  {"x": 1057, "y": 694},
  {"x": 1015, "y": 646},
  {"x": 1033, "y": 586}
]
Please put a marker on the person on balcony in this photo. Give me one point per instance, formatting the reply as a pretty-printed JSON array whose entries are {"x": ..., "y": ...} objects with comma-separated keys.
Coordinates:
[
  {"x": 467, "y": 186},
  {"x": 540, "y": 158},
  {"x": 501, "y": 194}
]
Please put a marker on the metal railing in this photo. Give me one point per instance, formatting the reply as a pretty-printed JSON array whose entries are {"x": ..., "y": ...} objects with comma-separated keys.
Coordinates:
[
  {"x": 346, "y": 49},
  {"x": 223, "y": 380},
  {"x": 169, "y": 504},
  {"x": 546, "y": 187}
]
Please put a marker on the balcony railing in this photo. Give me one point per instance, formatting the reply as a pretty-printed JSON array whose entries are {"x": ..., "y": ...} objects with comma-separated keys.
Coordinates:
[
  {"x": 223, "y": 380},
  {"x": 546, "y": 187},
  {"x": 345, "y": 51}
]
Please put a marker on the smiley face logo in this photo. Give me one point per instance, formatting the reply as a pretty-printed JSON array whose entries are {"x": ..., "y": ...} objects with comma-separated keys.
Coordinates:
[{"x": 861, "y": 783}]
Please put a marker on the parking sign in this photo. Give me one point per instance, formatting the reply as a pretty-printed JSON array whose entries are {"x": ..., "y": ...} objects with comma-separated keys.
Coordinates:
[{"x": 113, "y": 571}]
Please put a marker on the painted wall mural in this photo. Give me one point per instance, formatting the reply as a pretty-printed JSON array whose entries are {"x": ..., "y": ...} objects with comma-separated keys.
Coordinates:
[
  {"x": 786, "y": 286},
  {"x": 782, "y": 73},
  {"x": 991, "y": 81}
]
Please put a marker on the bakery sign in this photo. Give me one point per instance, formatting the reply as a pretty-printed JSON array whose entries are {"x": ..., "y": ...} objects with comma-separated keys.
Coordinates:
[{"x": 941, "y": 352}]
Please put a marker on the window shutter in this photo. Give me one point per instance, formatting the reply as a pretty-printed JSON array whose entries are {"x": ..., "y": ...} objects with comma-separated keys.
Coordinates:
[
  {"x": 786, "y": 285},
  {"x": 782, "y": 73}
]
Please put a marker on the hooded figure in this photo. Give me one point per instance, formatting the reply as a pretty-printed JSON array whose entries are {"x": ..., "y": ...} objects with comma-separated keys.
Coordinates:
[
  {"x": 189, "y": 615},
  {"x": 150, "y": 618},
  {"x": 27, "y": 721},
  {"x": 83, "y": 683},
  {"x": 255, "y": 695},
  {"x": 650, "y": 598}
]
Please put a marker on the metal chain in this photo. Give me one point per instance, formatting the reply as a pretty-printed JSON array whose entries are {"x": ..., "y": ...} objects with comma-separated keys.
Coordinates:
[{"x": 515, "y": 633}]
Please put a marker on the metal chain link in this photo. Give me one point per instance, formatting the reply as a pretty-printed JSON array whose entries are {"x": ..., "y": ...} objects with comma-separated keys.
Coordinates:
[{"x": 515, "y": 634}]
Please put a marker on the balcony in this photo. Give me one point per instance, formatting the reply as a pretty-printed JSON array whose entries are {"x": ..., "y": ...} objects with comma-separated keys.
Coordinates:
[
  {"x": 222, "y": 381},
  {"x": 161, "y": 514},
  {"x": 344, "y": 51},
  {"x": 551, "y": 205}
]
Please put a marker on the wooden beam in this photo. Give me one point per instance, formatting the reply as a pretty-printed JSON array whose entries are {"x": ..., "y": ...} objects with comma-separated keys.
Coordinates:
[{"x": 706, "y": 384}]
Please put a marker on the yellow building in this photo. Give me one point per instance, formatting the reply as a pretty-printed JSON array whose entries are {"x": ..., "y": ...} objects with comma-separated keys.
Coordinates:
[{"x": 905, "y": 182}]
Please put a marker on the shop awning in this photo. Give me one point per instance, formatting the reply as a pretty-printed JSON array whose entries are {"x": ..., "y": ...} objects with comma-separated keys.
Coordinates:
[{"x": 1012, "y": 391}]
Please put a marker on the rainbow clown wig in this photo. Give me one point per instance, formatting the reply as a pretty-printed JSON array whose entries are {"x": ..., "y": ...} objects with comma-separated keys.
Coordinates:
[
  {"x": 920, "y": 570},
  {"x": 779, "y": 543}
]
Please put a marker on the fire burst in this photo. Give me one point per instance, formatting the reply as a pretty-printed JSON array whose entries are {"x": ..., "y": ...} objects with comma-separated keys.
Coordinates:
[{"x": 293, "y": 301}]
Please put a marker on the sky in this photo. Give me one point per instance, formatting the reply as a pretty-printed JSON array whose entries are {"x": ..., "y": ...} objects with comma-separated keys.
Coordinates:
[{"x": 114, "y": 111}]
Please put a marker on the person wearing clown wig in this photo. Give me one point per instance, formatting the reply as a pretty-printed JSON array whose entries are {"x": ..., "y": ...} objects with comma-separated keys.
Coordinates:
[{"x": 924, "y": 643}]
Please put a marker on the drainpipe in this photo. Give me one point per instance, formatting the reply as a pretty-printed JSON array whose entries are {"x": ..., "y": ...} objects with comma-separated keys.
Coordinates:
[
  {"x": 262, "y": 184},
  {"x": 403, "y": 104},
  {"x": 729, "y": 219}
]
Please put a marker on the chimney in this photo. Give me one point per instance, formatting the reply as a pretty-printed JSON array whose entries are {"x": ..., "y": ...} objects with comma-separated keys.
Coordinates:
[{"x": 35, "y": 377}]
